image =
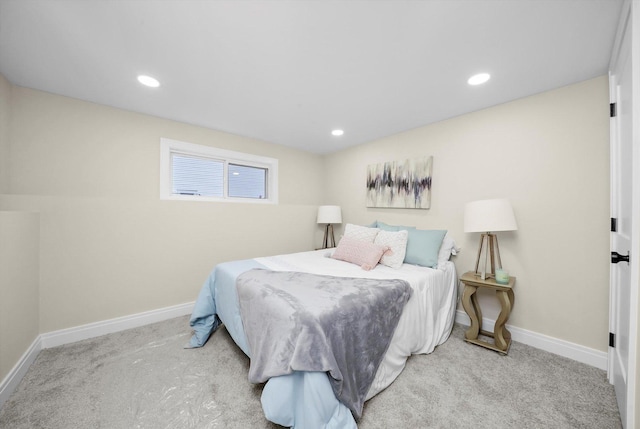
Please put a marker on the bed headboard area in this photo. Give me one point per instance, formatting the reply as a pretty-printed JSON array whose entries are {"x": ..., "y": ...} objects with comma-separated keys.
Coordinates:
[{"x": 393, "y": 245}]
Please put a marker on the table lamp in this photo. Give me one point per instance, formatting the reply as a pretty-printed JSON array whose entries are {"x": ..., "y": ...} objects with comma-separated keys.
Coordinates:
[
  {"x": 329, "y": 215},
  {"x": 488, "y": 216}
]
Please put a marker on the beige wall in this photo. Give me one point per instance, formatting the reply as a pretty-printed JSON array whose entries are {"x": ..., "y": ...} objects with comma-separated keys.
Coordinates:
[
  {"x": 65, "y": 147},
  {"x": 549, "y": 155},
  {"x": 109, "y": 247},
  {"x": 19, "y": 315},
  {"x": 5, "y": 93}
]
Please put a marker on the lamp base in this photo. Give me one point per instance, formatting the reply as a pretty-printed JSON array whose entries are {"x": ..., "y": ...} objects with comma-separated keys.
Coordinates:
[
  {"x": 328, "y": 234},
  {"x": 489, "y": 242}
]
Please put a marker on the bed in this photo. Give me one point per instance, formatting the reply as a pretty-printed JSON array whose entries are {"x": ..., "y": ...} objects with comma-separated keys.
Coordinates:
[{"x": 306, "y": 399}]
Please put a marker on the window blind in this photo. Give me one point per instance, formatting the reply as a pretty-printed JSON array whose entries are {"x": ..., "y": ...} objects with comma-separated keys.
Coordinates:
[{"x": 197, "y": 176}]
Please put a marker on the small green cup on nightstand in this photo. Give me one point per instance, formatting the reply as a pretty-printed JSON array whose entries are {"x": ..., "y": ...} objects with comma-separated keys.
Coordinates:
[{"x": 502, "y": 277}]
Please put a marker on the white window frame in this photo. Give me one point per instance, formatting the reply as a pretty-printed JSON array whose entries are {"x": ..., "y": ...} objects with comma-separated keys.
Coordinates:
[{"x": 169, "y": 147}]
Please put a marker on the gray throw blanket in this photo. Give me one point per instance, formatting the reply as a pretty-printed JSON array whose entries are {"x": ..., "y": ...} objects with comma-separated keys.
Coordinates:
[{"x": 306, "y": 322}]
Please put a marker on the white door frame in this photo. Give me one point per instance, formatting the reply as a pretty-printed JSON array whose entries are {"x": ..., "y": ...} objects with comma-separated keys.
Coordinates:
[{"x": 630, "y": 17}]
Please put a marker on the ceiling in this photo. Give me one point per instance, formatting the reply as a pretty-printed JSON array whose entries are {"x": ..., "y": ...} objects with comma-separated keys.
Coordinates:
[{"x": 288, "y": 72}]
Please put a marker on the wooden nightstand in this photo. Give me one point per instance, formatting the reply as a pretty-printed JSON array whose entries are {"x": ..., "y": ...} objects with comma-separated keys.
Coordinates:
[{"x": 504, "y": 293}]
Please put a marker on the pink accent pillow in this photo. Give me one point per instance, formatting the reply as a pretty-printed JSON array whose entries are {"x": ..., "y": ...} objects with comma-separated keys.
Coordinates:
[{"x": 359, "y": 252}]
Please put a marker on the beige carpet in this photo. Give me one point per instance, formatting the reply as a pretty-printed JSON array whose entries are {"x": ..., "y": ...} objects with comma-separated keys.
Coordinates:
[{"x": 142, "y": 378}]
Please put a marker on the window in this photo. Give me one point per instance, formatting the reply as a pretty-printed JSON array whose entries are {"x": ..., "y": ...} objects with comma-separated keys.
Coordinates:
[
  {"x": 247, "y": 182},
  {"x": 203, "y": 173}
]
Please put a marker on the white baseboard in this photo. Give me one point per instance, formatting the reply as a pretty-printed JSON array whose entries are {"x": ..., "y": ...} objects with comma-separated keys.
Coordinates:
[
  {"x": 83, "y": 332},
  {"x": 573, "y": 351},
  {"x": 92, "y": 330},
  {"x": 543, "y": 342},
  {"x": 14, "y": 377}
]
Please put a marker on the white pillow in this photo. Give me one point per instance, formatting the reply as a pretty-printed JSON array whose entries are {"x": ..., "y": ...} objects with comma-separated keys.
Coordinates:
[
  {"x": 447, "y": 249},
  {"x": 397, "y": 243},
  {"x": 361, "y": 233}
]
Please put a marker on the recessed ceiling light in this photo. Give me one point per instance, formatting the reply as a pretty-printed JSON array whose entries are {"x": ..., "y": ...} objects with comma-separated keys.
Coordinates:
[
  {"x": 148, "y": 81},
  {"x": 337, "y": 132},
  {"x": 478, "y": 79}
]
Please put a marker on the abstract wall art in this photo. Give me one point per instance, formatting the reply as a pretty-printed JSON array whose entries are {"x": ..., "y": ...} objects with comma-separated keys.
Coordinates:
[{"x": 400, "y": 184}]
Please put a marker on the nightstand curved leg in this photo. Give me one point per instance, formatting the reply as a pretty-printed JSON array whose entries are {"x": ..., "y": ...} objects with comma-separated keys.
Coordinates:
[
  {"x": 512, "y": 299},
  {"x": 501, "y": 334},
  {"x": 470, "y": 305},
  {"x": 478, "y": 310}
]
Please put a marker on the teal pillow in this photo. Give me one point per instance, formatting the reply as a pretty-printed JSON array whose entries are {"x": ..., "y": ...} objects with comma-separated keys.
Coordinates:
[
  {"x": 423, "y": 247},
  {"x": 393, "y": 228},
  {"x": 386, "y": 227}
]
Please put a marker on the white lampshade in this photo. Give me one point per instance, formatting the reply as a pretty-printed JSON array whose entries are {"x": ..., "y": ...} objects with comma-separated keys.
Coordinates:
[
  {"x": 489, "y": 216},
  {"x": 329, "y": 214}
]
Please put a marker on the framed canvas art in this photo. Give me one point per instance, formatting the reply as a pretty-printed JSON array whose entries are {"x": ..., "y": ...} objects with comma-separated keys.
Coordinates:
[{"x": 400, "y": 184}]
